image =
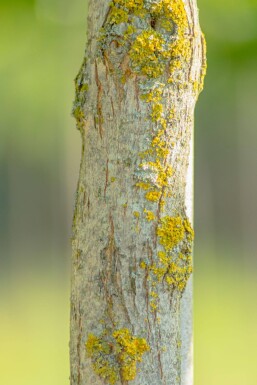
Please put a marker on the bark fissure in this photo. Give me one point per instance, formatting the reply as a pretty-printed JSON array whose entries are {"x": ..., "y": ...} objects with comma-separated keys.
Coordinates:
[{"x": 99, "y": 101}]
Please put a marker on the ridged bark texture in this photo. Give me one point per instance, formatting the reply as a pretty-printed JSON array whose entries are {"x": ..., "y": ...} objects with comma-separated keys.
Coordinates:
[{"x": 131, "y": 294}]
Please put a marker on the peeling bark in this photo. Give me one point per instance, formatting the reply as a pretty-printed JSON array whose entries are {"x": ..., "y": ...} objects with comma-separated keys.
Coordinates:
[{"x": 132, "y": 238}]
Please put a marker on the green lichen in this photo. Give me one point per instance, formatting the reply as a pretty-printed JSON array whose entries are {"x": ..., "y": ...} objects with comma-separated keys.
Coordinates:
[
  {"x": 81, "y": 87},
  {"x": 114, "y": 354},
  {"x": 79, "y": 115}
]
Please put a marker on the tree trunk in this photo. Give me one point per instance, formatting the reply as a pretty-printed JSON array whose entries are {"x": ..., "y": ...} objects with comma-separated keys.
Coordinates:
[{"x": 131, "y": 295}]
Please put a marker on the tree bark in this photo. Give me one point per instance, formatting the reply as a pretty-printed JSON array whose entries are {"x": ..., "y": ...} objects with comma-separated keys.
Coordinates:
[{"x": 131, "y": 294}]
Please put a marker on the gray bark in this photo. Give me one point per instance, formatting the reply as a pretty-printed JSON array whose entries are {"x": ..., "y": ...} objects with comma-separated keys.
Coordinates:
[{"x": 116, "y": 283}]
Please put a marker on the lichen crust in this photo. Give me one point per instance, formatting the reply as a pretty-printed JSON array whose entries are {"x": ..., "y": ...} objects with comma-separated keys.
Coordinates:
[{"x": 115, "y": 354}]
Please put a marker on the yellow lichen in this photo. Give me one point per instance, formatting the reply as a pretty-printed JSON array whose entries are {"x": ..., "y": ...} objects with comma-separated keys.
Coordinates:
[
  {"x": 115, "y": 355},
  {"x": 157, "y": 110},
  {"x": 145, "y": 153},
  {"x": 179, "y": 272},
  {"x": 170, "y": 232},
  {"x": 143, "y": 185},
  {"x": 133, "y": 6},
  {"x": 93, "y": 344},
  {"x": 157, "y": 271},
  {"x": 154, "y": 95},
  {"x": 147, "y": 54},
  {"x": 153, "y": 196},
  {"x": 150, "y": 53},
  {"x": 143, "y": 265},
  {"x": 153, "y": 294},
  {"x": 153, "y": 305},
  {"x": 189, "y": 229},
  {"x": 163, "y": 258},
  {"x": 118, "y": 15},
  {"x": 172, "y": 267},
  {"x": 149, "y": 215},
  {"x": 99, "y": 350}
]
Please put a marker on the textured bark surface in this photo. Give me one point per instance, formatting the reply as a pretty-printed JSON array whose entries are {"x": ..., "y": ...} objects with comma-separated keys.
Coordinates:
[{"x": 118, "y": 280}]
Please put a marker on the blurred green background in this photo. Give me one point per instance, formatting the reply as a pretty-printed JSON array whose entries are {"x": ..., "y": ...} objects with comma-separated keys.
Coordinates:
[{"x": 42, "y": 44}]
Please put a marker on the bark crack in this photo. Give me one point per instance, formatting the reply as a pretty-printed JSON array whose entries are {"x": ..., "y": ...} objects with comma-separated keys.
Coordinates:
[{"x": 99, "y": 101}]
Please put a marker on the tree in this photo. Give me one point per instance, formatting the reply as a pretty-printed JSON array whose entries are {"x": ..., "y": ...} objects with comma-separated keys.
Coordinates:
[{"x": 132, "y": 234}]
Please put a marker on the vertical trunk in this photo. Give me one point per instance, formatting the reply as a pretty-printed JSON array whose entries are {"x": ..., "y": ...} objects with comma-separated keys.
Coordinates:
[{"x": 132, "y": 238}]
